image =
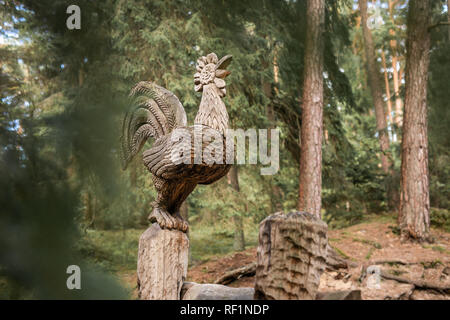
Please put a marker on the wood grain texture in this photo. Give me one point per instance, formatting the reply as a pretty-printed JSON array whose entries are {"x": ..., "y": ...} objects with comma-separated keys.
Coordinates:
[
  {"x": 414, "y": 215},
  {"x": 310, "y": 180},
  {"x": 162, "y": 263},
  {"x": 182, "y": 156},
  {"x": 291, "y": 256}
]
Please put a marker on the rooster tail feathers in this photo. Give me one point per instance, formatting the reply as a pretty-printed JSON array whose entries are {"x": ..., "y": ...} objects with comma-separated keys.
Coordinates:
[
  {"x": 162, "y": 103},
  {"x": 156, "y": 112}
]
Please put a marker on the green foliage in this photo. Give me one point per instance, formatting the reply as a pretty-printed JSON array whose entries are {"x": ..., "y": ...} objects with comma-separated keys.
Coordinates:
[
  {"x": 114, "y": 250},
  {"x": 439, "y": 117},
  {"x": 374, "y": 244},
  {"x": 440, "y": 218},
  {"x": 207, "y": 241}
]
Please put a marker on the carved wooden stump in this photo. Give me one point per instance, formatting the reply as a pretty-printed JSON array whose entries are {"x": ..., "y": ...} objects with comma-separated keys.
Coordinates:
[
  {"x": 162, "y": 263},
  {"x": 291, "y": 256}
]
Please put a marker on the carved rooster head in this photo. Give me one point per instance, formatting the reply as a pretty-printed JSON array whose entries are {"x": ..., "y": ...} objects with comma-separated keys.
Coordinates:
[{"x": 212, "y": 70}]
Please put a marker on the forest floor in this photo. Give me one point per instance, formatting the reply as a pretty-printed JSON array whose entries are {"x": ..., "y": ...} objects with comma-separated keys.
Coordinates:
[
  {"x": 365, "y": 244},
  {"x": 374, "y": 242}
]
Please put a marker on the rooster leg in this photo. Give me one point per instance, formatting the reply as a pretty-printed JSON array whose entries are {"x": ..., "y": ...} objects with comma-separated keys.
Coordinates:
[
  {"x": 168, "y": 221},
  {"x": 163, "y": 218},
  {"x": 182, "y": 224}
]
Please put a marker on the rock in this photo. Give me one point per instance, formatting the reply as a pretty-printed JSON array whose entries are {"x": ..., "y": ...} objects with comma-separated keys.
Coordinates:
[
  {"x": 291, "y": 256},
  {"x": 329, "y": 283},
  {"x": 389, "y": 290},
  {"x": 162, "y": 263},
  {"x": 339, "y": 295},
  {"x": 195, "y": 291},
  {"x": 444, "y": 274},
  {"x": 186, "y": 286}
]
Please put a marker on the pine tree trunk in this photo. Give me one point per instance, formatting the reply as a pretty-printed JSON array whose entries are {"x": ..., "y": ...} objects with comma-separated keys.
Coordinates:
[
  {"x": 414, "y": 217},
  {"x": 388, "y": 89},
  {"x": 184, "y": 211},
  {"x": 398, "y": 101},
  {"x": 239, "y": 239},
  {"x": 392, "y": 191},
  {"x": 396, "y": 74},
  {"x": 448, "y": 18},
  {"x": 375, "y": 88},
  {"x": 310, "y": 182},
  {"x": 276, "y": 194}
]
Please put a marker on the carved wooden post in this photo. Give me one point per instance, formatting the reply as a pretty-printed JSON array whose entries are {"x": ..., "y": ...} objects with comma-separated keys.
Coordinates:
[
  {"x": 162, "y": 263},
  {"x": 156, "y": 112},
  {"x": 291, "y": 256}
]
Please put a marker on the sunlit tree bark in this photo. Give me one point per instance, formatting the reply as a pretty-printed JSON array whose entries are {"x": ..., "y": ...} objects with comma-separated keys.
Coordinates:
[
  {"x": 239, "y": 239},
  {"x": 396, "y": 73},
  {"x": 375, "y": 88},
  {"x": 388, "y": 89},
  {"x": 414, "y": 216},
  {"x": 310, "y": 182}
]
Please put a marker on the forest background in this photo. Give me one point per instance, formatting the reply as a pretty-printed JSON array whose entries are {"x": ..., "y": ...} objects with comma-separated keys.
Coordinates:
[{"x": 63, "y": 93}]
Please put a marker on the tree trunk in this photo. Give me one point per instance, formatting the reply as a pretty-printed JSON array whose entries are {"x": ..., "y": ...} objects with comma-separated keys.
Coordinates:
[
  {"x": 391, "y": 188},
  {"x": 276, "y": 194},
  {"x": 448, "y": 18},
  {"x": 388, "y": 89},
  {"x": 184, "y": 211},
  {"x": 414, "y": 216},
  {"x": 276, "y": 190},
  {"x": 239, "y": 239},
  {"x": 310, "y": 182},
  {"x": 395, "y": 72},
  {"x": 398, "y": 100},
  {"x": 80, "y": 77},
  {"x": 375, "y": 88}
]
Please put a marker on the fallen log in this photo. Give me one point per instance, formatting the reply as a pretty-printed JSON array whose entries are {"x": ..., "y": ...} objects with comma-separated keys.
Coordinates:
[
  {"x": 339, "y": 295},
  {"x": 334, "y": 261},
  {"x": 245, "y": 271},
  {"x": 393, "y": 262},
  {"x": 417, "y": 283},
  {"x": 208, "y": 291}
]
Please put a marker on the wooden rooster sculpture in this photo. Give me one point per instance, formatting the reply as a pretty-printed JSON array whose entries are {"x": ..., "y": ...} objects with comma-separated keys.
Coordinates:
[{"x": 158, "y": 113}]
